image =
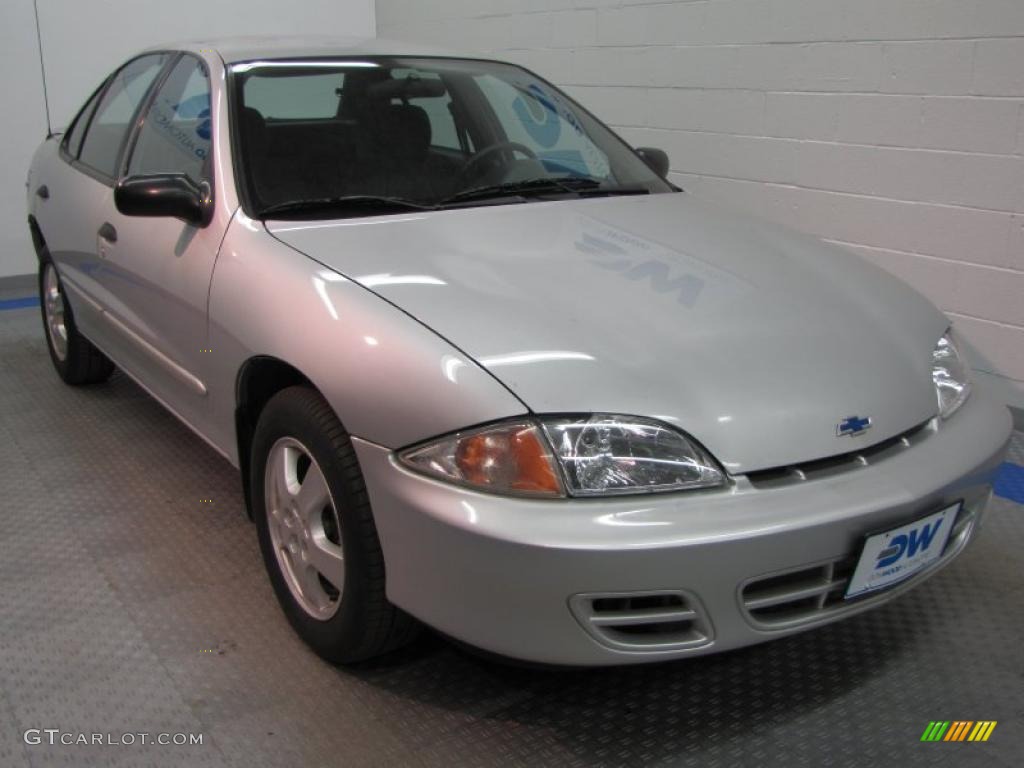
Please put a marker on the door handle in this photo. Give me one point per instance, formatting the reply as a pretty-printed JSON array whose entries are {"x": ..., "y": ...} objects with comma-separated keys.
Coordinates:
[
  {"x": 43, "y": 192},
  {"x": 107, "y": 232}
]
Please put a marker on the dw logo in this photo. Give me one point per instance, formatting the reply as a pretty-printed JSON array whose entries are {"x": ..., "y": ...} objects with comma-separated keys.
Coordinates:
[{"x": 909, "y": 544}]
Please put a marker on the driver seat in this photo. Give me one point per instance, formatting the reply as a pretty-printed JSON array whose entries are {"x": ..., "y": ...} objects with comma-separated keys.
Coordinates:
[{"x": 400, "y": 161}]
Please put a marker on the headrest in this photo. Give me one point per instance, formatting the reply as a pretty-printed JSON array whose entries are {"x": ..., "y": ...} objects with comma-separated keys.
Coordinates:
[
  {"x": 410, "y": 87},
  {"x": 404, "y": 131},
  {"x": 254, "y": 129}
]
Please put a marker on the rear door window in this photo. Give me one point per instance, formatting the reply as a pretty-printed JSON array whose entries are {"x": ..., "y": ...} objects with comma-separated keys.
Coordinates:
[
  {"x": 109, "y": 126},
  {"x": 73, "y": 142}
]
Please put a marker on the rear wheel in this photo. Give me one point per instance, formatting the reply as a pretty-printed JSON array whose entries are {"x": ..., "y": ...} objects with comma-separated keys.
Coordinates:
[
  {"x": 317, "y": 534},
  {"x": 76, "y": 359}
]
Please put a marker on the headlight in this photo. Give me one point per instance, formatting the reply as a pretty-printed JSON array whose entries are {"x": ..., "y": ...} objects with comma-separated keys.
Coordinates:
[
  {"x": 605, "y": 454},
  {"x": 951, "y": 376},
  {"x": 594, "y": 455}
]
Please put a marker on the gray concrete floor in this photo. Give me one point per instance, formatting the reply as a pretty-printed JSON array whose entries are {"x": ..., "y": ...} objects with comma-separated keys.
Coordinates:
[
  {"x": 128, "y": 605},
  {"x": 17, "y": 286}
]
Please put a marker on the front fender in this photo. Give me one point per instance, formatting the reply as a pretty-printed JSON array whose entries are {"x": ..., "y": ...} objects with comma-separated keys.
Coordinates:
[{"x": 390, "y": 379}]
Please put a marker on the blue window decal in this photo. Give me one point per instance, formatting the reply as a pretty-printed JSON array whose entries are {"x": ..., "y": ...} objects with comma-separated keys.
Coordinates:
[
  {"x": 196, "y": 108},
  {"x": 544, "y": 128},
  {"x": 568, "y": 161}
]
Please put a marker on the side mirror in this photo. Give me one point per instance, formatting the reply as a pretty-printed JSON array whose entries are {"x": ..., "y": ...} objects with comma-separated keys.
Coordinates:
[
  {"x": 656, "y": 159},
  {"x": 165, "y": 194}
]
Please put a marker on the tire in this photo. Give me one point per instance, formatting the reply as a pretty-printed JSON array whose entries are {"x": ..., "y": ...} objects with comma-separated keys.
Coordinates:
[
  {"x": 74, "y": 357},
  {"x": 311, "y": 506}
]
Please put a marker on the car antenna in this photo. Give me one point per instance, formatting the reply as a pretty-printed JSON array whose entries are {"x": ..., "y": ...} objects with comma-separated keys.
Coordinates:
[{"x": 42, "y": 70}]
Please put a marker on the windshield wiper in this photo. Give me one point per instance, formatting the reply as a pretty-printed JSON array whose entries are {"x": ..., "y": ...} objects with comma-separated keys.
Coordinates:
[
  {"x": 516, "y": 190},
  {"x": 354, "y": 203},
  {"x": 609, "y": 191},
  {"x": 540, "y": 186},
  {"x": 574, "y": 185}
]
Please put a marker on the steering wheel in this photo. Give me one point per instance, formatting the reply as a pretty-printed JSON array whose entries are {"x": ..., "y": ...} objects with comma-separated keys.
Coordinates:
[{"x": 501, "y": 146}]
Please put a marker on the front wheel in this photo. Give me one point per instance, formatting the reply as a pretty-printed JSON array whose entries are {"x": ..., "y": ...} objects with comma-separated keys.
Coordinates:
[
  {"x": 317, "y": 534},
  {"x": 74, "y": 357}
]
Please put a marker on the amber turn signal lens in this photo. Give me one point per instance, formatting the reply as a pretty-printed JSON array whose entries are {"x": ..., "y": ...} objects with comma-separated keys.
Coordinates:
[
  {"x": 514, "y": 459},
  {"x": 509, "y": 458},
  {"x": 534, "y": 463}
]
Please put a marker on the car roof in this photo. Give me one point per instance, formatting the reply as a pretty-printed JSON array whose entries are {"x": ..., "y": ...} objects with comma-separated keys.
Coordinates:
[{"x": 238, "y": 49}]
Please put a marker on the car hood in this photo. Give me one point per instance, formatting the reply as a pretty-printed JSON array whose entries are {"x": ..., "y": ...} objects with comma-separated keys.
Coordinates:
[{"x": 755, "y": 340}]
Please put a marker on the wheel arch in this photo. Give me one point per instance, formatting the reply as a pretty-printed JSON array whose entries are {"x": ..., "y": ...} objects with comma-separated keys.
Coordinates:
[
  {"x": 38, "y": 241},
  {"x": 259, "y": 379},
  {"x": 278, "y": 318}
]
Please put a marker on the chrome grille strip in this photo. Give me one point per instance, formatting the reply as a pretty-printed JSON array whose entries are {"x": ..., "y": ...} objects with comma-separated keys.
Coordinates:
[{"x": 844, "y": 462}]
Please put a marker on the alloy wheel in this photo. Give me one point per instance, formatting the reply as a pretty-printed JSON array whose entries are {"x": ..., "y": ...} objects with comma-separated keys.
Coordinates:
[
  {"x": 53, "y": 305},
  {"x": 304, "y": 528}
]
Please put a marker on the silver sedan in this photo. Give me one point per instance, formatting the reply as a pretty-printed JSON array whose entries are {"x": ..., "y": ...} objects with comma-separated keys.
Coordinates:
[{"x": 482, "y": 366}]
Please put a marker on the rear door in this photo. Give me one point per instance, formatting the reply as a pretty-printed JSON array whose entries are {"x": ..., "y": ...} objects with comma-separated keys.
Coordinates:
[
  {"x": 78, "y": 186},
  {"x": 158, "y": 270}
]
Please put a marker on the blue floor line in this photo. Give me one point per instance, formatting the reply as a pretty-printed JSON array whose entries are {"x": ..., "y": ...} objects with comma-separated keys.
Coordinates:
[
  {"x": 27, "y": 301},
  {"x": 1010, "y": 482}
]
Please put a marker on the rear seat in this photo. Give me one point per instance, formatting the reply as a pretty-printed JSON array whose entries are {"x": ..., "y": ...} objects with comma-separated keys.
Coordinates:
[{"x": 387, "y": 153}]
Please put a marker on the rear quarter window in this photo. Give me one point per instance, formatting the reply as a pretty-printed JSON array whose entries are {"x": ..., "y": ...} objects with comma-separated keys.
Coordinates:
[{"x": 73, "y": 141}]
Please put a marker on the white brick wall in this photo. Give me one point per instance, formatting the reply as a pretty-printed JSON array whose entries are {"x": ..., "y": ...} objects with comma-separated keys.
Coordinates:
[{"x": 894, "y": 127}]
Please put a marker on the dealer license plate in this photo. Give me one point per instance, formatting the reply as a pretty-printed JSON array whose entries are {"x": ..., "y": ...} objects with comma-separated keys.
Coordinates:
[{"x": 898, "y": 554}]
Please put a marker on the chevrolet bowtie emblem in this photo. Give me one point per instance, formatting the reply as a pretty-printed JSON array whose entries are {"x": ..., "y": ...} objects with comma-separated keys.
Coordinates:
[{"x": 852, "y": 426}]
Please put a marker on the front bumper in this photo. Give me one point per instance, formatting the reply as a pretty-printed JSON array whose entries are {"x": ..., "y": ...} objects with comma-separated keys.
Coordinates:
[{"x": 644, "y": 578}]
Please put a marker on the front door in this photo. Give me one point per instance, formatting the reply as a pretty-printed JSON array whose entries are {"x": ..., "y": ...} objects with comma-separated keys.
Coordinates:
[{"x": 158, "y": 270}]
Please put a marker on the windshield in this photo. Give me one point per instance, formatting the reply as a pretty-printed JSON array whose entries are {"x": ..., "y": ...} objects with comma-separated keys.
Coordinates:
[{"x": 335, "y": 137}]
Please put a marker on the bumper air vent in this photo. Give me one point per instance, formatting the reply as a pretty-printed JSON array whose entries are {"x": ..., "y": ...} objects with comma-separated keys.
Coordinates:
[{"x": 643, "y": 621}]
